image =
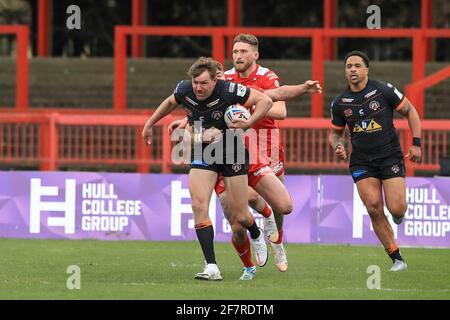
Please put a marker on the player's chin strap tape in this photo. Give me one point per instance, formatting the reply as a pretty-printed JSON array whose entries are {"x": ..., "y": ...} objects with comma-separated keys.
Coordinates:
[{"x": 417, "y": 142}]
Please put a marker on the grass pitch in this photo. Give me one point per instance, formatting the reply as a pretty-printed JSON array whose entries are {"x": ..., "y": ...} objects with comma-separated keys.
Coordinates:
[{"x": 36, "y": 269}]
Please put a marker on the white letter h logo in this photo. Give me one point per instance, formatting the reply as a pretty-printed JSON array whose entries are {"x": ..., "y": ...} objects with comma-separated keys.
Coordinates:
[{"x": 37, "y": 206}]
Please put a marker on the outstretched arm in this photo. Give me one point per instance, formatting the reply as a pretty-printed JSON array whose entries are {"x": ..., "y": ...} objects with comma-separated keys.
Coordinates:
[
  {"x": 289, "y": 92},
  {"x": 165, "y": 108}
]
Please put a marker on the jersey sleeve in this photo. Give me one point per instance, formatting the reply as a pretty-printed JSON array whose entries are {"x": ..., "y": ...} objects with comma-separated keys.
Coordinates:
[
  {"x": 181, "y": 90},
  {"x": 235, "y": 93},
  {"x": 271, "y": 81},
  {"x": 393, "y": 96},
  {"x": 337, "y": 118}
]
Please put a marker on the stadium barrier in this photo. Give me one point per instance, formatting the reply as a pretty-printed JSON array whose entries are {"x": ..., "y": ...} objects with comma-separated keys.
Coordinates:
[
  {"x": 52, "y": 141},
  {"x": 21, "y": 32},
  {"x": 318, "y": 36},
  {"x": 120, "y": 206}
]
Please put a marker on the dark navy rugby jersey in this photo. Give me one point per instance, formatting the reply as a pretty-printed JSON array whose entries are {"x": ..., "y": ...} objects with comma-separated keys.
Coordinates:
[
  {"x": 369, "y": 115},
  {"x": 210, "y": 111}
]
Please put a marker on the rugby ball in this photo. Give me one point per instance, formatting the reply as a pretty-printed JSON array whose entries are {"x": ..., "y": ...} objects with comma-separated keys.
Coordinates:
[{"x": 236, "y": 111}]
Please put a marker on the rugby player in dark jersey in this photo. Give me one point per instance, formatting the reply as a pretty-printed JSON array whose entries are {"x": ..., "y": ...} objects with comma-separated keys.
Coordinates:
[
  {"x": 205, "y": 99},
  {"x": 376, "y": 163}
]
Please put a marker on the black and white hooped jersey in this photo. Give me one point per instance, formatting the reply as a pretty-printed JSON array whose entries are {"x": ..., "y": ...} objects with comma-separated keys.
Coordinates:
[
  {"x": 210, "y": 111},
  {"x": 369, "y": 114}
]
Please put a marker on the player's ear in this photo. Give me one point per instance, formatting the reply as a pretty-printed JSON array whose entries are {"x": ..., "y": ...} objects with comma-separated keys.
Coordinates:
[{"x": 256, "y": 55}]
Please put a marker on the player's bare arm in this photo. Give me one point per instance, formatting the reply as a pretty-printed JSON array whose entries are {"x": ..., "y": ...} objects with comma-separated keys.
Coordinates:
[
  {"x": 289, "y": 92},
  {"x": 407, "y": 110},
  {"x": 278, "y": 111},
  {"x": 165, "y": 108},
  {"x": 337, "y": 142}
]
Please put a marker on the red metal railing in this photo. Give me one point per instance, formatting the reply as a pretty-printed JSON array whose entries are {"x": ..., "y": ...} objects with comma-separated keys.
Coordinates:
[
  {"x": 415, "y": 90},
  {"x": 319, "y": 37},
  {"x": 55, "y": 140},
  {"x": 22, "y": 34}
]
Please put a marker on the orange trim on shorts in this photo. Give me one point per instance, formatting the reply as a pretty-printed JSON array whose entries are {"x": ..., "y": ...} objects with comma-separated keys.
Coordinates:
[
  {"x": 400, "y": 105},
  {"x": 337, "y": 127},
  {"x": 202, "y": 225}
]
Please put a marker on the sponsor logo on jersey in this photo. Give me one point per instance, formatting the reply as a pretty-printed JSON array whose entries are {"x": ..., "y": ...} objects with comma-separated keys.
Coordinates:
[
  {"x": 347, "y": 100},
  {"x": 374, "y": 105},
  {"x": 367, "y": 126},
  {"x": 398, "y": 93},
  {"x": 216, "y": 115},
  {"x": 371, "y": 93},
  {"x": 231, "y": 87},
  {"x": 348, "y": 112},
  {"x": 241, "y": 90}
]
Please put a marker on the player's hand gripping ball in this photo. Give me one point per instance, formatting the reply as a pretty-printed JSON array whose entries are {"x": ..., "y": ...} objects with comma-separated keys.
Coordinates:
[{"x": 236, "y": 113}]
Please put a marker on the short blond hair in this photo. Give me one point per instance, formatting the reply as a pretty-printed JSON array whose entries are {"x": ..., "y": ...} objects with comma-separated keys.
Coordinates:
[
  {"x": 201, "y": 65},
  {"x": 247, "y": 38}
]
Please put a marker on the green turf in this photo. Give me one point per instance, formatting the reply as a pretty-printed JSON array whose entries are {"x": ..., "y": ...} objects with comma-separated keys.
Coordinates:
[{"x": 36, "y": 269}]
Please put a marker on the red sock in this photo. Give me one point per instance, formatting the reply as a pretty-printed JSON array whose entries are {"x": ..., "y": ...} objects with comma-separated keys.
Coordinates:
[
  {"x": 280, "y": 236},
  {"x": 266, "y": 211},
  {"x": 244, "y": 252}
]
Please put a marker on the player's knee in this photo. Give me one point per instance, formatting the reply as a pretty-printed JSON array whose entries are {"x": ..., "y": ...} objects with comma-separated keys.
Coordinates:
[
  {"x": 288, "y": 207},
  {"x": 398, "y": 209},
  {"x": 199, "y": 207},
  {"x": 253, "y": 198},
  {"x": 244, "y": 219},
  {"x": 284, "y": 207},
  {"x": 375, "y": 209}
]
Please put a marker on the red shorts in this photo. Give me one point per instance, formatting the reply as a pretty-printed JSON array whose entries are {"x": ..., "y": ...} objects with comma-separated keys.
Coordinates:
[
  {"x": 278, "y": 165},
  {"x": 255, "y": 173}
]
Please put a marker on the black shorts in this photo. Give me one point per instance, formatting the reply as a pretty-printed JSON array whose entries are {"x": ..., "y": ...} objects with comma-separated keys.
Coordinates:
[
  {"x": 226, "y": 170},
  {"x": 228, "y": 167},
  {"x": 381, "y": 168}
]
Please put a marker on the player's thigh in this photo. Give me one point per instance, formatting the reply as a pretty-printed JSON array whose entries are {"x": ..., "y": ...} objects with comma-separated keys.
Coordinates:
[
  {"x": 275, "y": 193},
  {"x": 201, "y": 185},
  {"x": 281, "y": 177},
  {"x": 370, "y": 192},
  {"x": 236, "y": 187},
  {"x": 395, "y": 194}
]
